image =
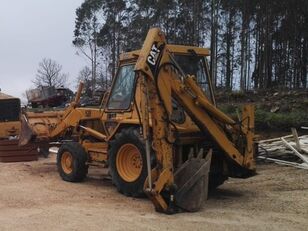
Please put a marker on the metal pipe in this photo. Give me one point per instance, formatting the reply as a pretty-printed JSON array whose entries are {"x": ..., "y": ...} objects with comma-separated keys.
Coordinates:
[
  {"x": 94, "y": 133},
  {"x": 148, "y": 156},
  {"x": 201, "y": 99},
  {"x": 145, "y": 125},
  {"x": 78, "y": 94}
]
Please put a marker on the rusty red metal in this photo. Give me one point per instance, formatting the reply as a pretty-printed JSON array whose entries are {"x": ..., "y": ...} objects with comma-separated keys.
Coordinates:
[{"x": 11, "y": 152}]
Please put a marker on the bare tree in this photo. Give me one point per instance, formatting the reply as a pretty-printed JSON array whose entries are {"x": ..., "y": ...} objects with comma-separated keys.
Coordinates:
[
  {"x": 85, "y": 75},
  {"x": 49, "y": 73},
  {"x": 86, "y": 34}
]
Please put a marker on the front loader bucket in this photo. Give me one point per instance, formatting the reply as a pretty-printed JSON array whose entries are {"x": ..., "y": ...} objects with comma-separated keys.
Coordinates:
[
  {"x": 192, "y": 180},
  {"x": 26, "y": 133},
  {"x": 36, "y": 126}
]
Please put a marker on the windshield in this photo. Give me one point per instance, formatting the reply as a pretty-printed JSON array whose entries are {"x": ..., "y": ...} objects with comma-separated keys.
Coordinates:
[
  {"x": 121, "y": 92},
  {"x": 195, "y": 65}
]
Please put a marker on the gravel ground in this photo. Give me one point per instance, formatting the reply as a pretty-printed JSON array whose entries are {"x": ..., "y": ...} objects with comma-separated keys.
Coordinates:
[{"x": 33, "y": 197}]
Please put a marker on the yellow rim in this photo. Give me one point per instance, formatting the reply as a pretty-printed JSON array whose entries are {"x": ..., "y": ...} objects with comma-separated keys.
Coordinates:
[
  {"x": 67, "y": 162},
  {"x": 129, "y": 162}
]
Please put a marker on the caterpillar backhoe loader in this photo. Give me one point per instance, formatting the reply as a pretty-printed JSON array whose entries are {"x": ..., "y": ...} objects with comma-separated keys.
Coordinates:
[{"x": 159, "y": 131}]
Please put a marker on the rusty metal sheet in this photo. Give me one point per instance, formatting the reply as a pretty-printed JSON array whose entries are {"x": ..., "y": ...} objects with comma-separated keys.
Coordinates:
[{"x": 11, "y": 152}]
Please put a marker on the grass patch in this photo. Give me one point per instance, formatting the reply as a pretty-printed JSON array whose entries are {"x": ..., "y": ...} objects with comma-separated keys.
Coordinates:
[{"x": 278, "y": 121}]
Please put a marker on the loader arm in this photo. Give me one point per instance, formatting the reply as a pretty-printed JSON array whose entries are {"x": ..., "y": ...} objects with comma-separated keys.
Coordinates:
[
  {"x": 162, "y": 79},
  {"x": 49, "y": 125}
]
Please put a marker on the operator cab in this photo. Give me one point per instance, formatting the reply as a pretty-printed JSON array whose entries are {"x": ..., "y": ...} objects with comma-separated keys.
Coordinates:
[
  {"x": 192, "y": 61},
  {"x": 196, "y": 65}
]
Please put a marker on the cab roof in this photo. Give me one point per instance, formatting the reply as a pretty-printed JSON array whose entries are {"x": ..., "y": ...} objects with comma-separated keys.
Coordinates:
[{"x": 5, "y": 96}]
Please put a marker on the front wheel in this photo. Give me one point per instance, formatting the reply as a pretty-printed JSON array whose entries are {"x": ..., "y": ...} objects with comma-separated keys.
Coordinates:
[
  {"x": 71, "y": 162},
  {"x": 127, "y": 162}
]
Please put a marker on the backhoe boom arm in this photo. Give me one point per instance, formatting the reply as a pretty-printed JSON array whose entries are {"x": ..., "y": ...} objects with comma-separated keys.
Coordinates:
[{"x": 163, "y": 80}]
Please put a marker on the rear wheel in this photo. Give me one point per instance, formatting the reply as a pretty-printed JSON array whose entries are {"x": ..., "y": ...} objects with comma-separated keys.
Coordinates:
[
  {"x": 71, "y": 162},
  {"x": 216, "y": 175},
  {"x": 127, "y": 162}
]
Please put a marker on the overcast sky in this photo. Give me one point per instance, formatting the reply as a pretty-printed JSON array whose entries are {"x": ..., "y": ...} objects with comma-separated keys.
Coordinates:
[{"x": 31, "y": 30}]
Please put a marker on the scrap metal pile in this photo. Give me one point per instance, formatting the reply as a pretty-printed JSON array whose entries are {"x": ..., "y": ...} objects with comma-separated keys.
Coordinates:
[{"x": 288, "y": 150}]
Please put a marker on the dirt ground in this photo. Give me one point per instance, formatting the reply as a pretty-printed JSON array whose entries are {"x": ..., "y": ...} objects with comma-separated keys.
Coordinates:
[{"x": 33, "y": 197}]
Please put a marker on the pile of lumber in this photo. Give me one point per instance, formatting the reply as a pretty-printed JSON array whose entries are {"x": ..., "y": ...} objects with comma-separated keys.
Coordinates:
[{"x": 288, "y": 150}]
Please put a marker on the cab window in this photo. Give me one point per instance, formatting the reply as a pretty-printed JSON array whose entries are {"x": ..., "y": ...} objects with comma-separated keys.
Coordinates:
[
  {"x": 122, "y": 90},
  {"x": 194, "y": 65}
]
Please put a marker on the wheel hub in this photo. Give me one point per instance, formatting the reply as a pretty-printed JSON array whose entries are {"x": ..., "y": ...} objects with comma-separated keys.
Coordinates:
[
  {"x": 67, "y": 162},
  {"x": 129, "y": 162}
]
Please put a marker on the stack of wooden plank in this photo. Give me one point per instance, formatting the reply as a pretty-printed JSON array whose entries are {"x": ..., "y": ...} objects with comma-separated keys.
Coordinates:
[
  {"x": 11, "y": 152},
  {"x": 288, "y": 150}
]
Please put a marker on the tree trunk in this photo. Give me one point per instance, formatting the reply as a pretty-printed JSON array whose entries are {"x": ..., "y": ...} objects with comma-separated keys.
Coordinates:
[{"x": 213, "y": 63}]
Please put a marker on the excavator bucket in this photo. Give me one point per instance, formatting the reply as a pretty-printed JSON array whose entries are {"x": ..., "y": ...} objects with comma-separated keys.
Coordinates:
[{"x": 192, "y": 180}]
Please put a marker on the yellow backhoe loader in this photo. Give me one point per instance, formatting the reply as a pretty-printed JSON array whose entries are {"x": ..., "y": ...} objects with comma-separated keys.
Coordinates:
[{"x": 158, "y": 131}]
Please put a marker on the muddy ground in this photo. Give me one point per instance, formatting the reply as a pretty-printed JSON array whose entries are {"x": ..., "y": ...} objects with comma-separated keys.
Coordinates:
[{"x": 33, "y": 197}]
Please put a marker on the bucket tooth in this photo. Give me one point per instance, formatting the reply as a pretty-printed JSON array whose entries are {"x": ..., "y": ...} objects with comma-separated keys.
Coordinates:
[
  {"x": 191, "y": 154},
  {"x": 200, "y": 154}
]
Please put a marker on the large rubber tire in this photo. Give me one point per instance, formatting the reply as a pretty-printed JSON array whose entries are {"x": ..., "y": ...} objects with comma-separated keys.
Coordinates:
[
  {"x": 123, "y": 152},
  {"x": 215, "y": 180},
  {"x": 71, "y": 162},
  {"x": 216, "y": 176}
]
